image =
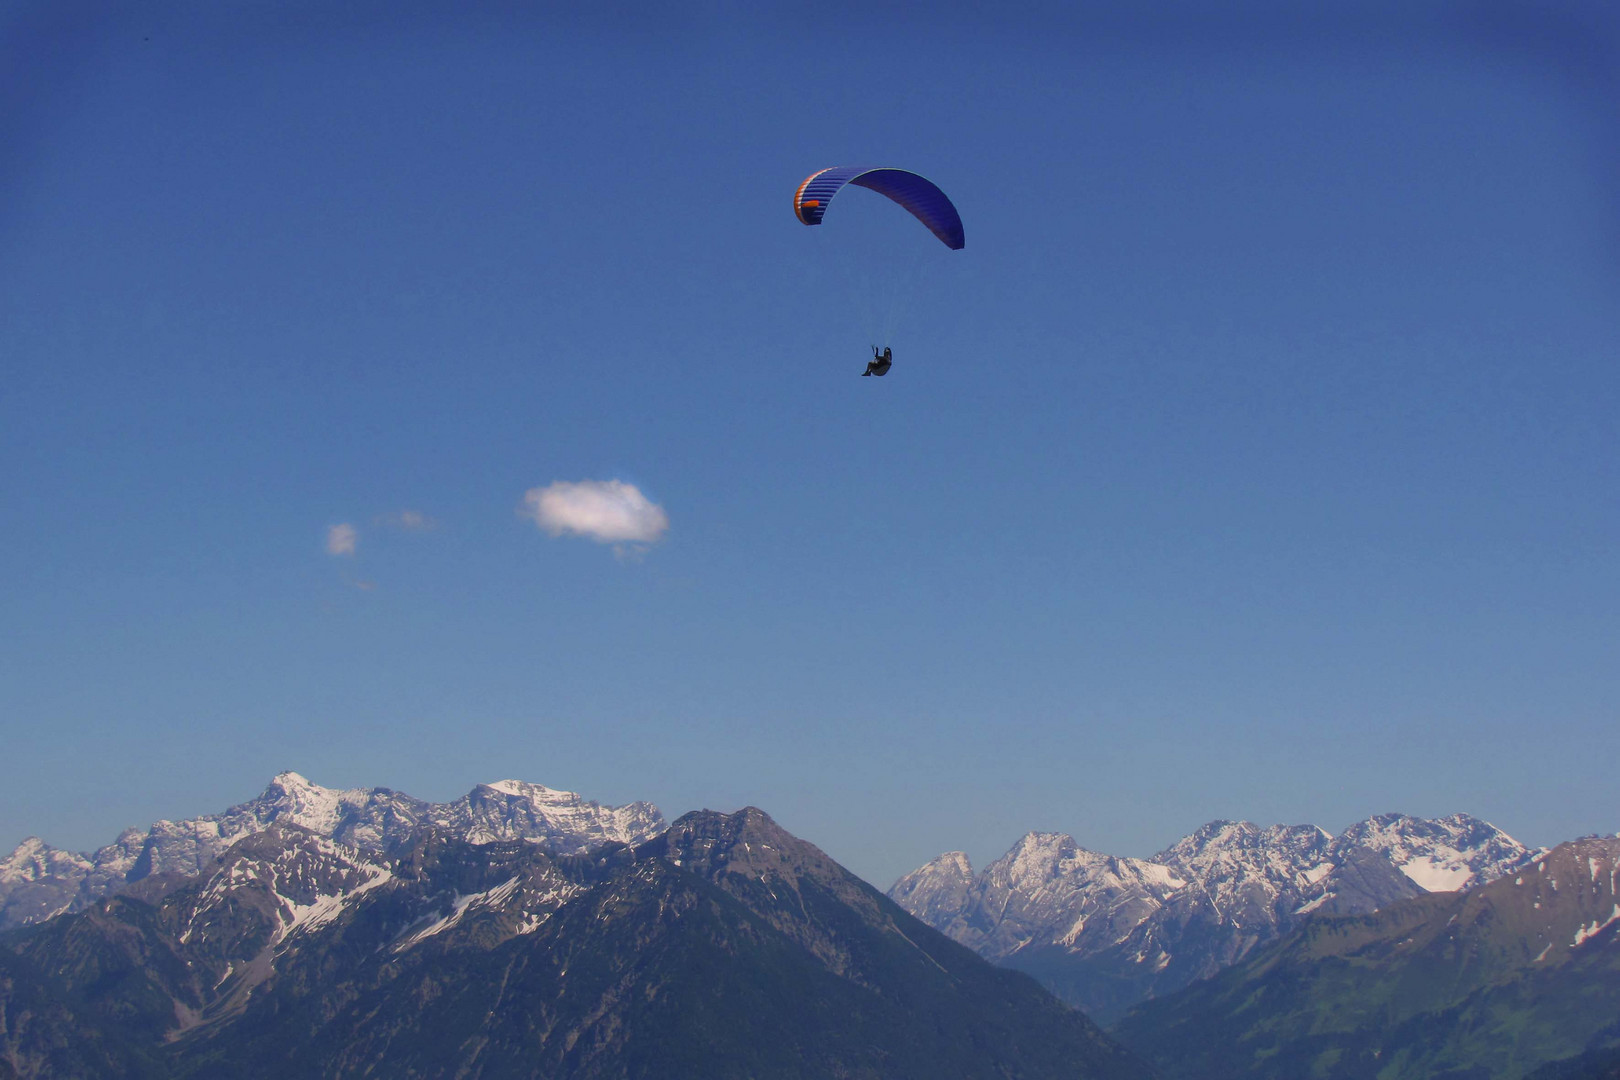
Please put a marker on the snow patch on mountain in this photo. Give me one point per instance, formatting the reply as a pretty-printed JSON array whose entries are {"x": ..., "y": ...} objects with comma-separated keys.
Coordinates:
[
  {"x": 297, "y": 880},
  {"x": 1586, "y": 932},
  {"x": 459, "y": 907},
  {"x": 1433, "y": 875},
  {"x": 518, "y": 787},
  {"x": 325, "y": 907},
  {"x": 1311, "y": 905}
]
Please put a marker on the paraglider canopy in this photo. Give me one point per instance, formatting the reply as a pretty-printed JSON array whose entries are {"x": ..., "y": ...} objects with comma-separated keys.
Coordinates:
[{"x": 917, "y": 194}]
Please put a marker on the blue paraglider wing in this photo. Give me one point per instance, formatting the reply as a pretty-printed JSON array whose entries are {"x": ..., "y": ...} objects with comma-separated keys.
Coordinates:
[{"x": 926, "y": 202}]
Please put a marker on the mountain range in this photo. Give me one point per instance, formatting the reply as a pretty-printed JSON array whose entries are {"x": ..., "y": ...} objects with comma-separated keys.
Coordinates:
[
  {"x": 521, "y": 930},
  {"x": 1487, "y": 984},
  {"x": 38, "y": 881},
  {"x": 1105, "y": 932},
  {"x": 723, "y": 947}
]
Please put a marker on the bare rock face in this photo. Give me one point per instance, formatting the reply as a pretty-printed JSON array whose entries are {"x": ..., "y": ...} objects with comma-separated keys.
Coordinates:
[
  {"x": 940, "y": 885},
  {"x": 1105, "y": 932},
  {"x": 38, "y": 881}
]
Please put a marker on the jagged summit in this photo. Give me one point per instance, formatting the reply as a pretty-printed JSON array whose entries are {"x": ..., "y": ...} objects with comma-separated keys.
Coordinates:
[
  {"x": 38, "y": 881},
  {"x": 746, "y": 842},
  {"x": 939, "y": 885},
  {"x": 321, "y": 809},
  {"x": 30, "y": 855},
  {"x": 729, "y": 828},
  {"x": 711, "y": 841},
  {"x": 1105, "y": 931},
  {"x": 520, "y": 788},
  {"x": 1444, "y": 854}
]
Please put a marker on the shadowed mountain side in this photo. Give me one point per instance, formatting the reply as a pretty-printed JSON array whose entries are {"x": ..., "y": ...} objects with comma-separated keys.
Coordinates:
[
  {"x": 1485, "y": 985},
  {"x": 724, "y": 948},
  {"x": 43, "y": 1034},
  {"x": 1593, "y": 1065}
]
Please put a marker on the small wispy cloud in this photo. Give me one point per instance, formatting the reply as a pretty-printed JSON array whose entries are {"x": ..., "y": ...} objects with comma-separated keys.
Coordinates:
[
  {"x": 341, "y": 539},
  {"x": 408, "y": 520},
  {"x": 606, "y": 511}
]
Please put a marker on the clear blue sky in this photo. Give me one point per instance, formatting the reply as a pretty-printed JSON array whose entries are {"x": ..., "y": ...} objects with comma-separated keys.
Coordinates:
[{"x": 1257, "y": 458}]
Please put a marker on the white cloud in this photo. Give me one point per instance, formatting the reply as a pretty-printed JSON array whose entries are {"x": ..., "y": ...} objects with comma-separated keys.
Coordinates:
[
  {"x": 607, "y": 511},
  {"x": 340, "y": 539}
]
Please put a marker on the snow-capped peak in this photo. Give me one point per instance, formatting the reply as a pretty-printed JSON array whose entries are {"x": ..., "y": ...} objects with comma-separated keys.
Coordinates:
[
  {"x": 35, "y": 860},
  {"x": 527, "y": 791},
  {"x": 1438, "y": 854},
  {"x": 1200, "y": 904},
  {"x": 318, "y": 808},
  {"x": 37, "y": 881},
  {"x": 27, "y": 856}
]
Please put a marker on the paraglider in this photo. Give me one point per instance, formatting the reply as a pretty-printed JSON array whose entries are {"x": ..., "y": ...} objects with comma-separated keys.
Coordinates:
[
  {"x": 926, "y": 202},
  {"x": 917, "y": 194}
]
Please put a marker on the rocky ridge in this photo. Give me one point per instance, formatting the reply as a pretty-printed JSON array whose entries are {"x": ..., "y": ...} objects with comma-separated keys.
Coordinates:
[
  {"x": 38, "y": 881},
  {"x": 1105, "y": 932}
]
